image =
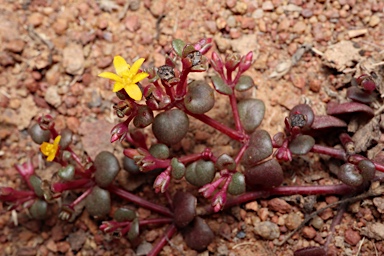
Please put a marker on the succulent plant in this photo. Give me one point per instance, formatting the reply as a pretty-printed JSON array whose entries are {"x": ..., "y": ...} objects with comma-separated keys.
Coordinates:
[{"x": 171, "y": 126}]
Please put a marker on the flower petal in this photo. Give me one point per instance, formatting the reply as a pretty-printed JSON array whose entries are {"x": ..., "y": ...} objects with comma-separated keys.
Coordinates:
[
  {"x": 139, "y": 77},
  {"x": 118, "y": 86},
  {"x": 133, "y": 90},
  {"x": 57, "y": 140},
  {"x": 136, "y": 66},
  {"x": 44, "y": 148},
  {"x": 51, "y": 156},
  {"x": 120, "y": 65},
  {"x": 111, "y": 76}
]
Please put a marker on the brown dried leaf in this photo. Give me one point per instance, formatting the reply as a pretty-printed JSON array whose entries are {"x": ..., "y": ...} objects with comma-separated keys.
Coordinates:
[{"x": 367, "y": 135}]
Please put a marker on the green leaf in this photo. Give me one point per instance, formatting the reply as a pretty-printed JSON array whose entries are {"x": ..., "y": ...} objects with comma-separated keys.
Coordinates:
[
  {"x": 301, "y": 145},
  {"x": 67, "y": 173},
  {"x": 178, "y": 45},
  {"x": 221, "y": 86},
  {"x": 133, "y": 232},
  {"x": 124, "y": 214},
  {"x": 244, "y": 83},
  {"x": 178, "y": 169},
  {"x": 187, "y": 50}
]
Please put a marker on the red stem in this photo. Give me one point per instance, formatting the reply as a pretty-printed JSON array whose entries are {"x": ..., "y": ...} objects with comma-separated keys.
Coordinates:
[
  {"x": 355, "y": 159},
  {"x": 241, "y": 152},
  {"x": 81, "y": 197},
  {"x": 71, "y": 185},
  {"x": 235, "y": 112},
  {"x": 181, "y": 87},
  {"x": 282, "y": 191},
  {"x": 235, "y": 135},
  {"x": 171, "y": 230},
  {"x": 141, "y": 202},
  {"x": 334, "y": 152}
]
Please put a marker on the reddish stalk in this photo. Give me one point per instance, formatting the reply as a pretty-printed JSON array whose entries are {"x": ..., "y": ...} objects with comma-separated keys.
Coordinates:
[
  {"x": 282, "y": 191},
  {"x": 235, "y": 112},
  {"x": 171, "y": 230},
  {"x": 139, "y": 201},
  {"x": 334, "y": 152}
]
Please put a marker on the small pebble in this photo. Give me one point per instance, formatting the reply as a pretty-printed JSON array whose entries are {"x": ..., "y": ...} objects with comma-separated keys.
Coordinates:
[
  {"x": 309, "y": 232},
  {"x": 267, "y": 230},
  {"x": 352, "y": 237}
]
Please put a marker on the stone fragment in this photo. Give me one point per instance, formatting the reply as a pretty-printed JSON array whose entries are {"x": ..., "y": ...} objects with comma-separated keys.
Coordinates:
[
  {"x": 352, "y": 237},
  {"x": 16, "y": 45},
  {"x": 52, "y": 96},
  {"x": 293, "y": 220},
  {"x": 73, "y": 59},
  {"x": 132, "y": 23},
  {"x": 267, "y": 6},
  {"x": 60, "y": 26},
  {"x": 374, "y": 20},
  {"x": 35, "y": 19},
  {"x": 267, "y": 230},
  {"x": 309, "y": 232},
  {"x": 279, "y": 205}
]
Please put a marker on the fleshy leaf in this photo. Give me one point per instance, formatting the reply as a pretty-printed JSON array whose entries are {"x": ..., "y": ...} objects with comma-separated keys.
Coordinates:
[
  {"x": 348, "y": 107},
  {"x": 251, "y": 112},
  {"x": 301, "y": 145},
  {"x": 221, "y": 86},
  {"x": 178, "y": 45},
  {"x": 244, "y": 83},
  {"x": 359, "y": 95},
  {"x": 323, "y": 122}
]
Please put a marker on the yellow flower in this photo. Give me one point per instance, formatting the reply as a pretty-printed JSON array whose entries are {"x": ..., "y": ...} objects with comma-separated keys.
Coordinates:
[
  {"x": 49, "y": 149},
  {"x": 126, "y": 77}
]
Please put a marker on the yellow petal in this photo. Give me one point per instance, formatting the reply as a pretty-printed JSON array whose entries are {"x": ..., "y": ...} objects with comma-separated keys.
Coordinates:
[
  {"x": 44, "y": 148},
  {"x": 117, "y": 87},
  {"x": 136, "y": 66},
  {"x": 139, "y": 77},
  {"x": 134, "y": 91},
  {"x": 57, "y": 140},
  {"x": 51, "y": 156},
  {"x": 111, "y": 76},
  {"x": 120, "y": 65}
]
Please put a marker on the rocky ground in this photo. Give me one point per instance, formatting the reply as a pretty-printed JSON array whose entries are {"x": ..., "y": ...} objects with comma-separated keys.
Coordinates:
[{"x": 305, "y": 51}]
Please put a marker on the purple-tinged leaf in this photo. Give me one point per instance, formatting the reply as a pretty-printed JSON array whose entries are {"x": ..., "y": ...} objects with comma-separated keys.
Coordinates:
[
  {"x": 244, "y": 83},
  {"x": 356, "y": 94},
  {"x": 221, "y": 86},
  {"x": 347, "y": 108},
  {"x": 311, "y": 250},
  {"x": 323, "y": 122}
]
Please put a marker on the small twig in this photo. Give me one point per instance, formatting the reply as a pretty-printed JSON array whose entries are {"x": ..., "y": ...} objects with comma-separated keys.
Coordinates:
[
  {"x": 360, "y": 245},
  {"x": 125, "y": 10},
  {"x": 371, "y": 192},
  {"x": 378, "y": 111},
  {"x": 241, "y": 244},
  {"x": 174, "y": 246},
  {"x": 374, "y": 246},
  {"x": 158, "y": 30},
  {"x": 37, "y": 37},
  {"x": 318, "y": 52}
]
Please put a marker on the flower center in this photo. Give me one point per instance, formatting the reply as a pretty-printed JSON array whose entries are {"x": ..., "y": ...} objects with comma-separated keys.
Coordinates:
[{"x": 127, "y": 78}]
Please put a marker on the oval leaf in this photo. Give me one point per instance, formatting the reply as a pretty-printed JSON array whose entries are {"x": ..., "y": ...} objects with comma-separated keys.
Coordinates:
[
  {"x": 178, "y": 45},
  {"x": 301, "y": 145},
  {"x": 323, "y": 122},
  {"x": 251, "y": 112},
  {"x": 348, "y": 107},
  {"x": 221, "y": 86},
  {"x": 244, "y": 83},
  {"x": 266, "y": 175}
]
